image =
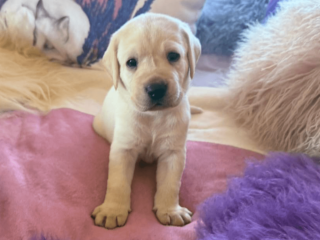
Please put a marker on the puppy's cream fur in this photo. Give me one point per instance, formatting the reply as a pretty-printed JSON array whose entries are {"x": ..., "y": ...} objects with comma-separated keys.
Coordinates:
[{"x": 136, "y": 127}]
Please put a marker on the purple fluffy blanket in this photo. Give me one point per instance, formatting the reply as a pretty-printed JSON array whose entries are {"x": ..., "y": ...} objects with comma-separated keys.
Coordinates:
[{"x": 276, "y": 199}]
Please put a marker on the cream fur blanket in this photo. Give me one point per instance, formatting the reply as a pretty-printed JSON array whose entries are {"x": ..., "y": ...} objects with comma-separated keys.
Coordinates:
[
  {"x": 28, "y": 79},
  {"x": 275, "y": 82}
]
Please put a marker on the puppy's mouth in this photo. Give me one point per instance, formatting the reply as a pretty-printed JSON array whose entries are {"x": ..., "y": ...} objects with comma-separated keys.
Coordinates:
[
  {"x": 165, "y": 104},
  {"x": 150, "y": 107},
  {"x": 158, "y": 106},
  {"x": 147, "y": 105}
]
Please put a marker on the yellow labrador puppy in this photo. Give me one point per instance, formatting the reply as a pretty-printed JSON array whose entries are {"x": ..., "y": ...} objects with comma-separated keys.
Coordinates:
[{"x": 146, "y": 114}]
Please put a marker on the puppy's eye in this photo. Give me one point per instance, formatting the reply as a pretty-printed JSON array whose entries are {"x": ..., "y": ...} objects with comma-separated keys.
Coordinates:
[
  {"x": 132, "y": 63},
  {"x": 173, "y": 57}
]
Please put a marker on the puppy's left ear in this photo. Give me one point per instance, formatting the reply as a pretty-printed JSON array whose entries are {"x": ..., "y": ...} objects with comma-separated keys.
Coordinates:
[
  {"x": 194, "y": 49},
  {"x": 110, "y": 60}
]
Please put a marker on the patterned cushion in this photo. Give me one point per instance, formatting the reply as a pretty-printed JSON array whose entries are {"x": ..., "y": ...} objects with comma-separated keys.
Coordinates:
[{"x": 79, "y": 31}]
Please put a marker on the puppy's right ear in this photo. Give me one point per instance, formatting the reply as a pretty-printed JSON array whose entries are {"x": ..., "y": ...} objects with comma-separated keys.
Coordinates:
[{"x": 110, "y": 60}]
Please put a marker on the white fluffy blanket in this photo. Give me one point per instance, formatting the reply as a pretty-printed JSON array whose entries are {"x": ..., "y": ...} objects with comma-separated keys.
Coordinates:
[{"x": 274, "y": 86}]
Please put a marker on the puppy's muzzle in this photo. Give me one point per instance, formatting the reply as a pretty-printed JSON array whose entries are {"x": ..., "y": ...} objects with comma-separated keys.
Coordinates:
[{"x": 156, "y": 92}]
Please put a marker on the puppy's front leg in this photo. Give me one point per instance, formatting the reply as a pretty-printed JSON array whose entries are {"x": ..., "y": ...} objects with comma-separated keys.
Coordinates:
[
  {"x": 116, "y": 206},
  {"x": 166, "y": 205}
]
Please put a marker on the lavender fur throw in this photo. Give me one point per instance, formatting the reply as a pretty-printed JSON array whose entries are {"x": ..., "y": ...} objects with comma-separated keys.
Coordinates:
[
  {"x": 222, "y": 21},
  {"x": 276, "y": 199}
]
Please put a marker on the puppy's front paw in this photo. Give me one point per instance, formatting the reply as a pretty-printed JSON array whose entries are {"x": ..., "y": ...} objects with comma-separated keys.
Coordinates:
[
  {"x": 110, "y": 215},
  {"x": 176, "y": 216}
]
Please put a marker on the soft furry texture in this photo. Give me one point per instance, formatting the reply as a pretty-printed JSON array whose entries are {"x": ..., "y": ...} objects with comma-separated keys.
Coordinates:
[
  {"x": 278, "y": 199},
  {"x": 27, "y": 78},
  {"x": 222, "y": 21},
  {"x": 274, "y": 84}
]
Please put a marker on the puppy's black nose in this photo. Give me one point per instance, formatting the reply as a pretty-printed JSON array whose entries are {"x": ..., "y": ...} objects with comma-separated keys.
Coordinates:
[{"x": 156, "y": 91}]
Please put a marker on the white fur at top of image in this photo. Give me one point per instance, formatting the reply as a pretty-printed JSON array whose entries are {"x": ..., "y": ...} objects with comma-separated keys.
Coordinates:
[
  {"x": 58, "y": 28},
  {"x": 186, "y": 10},
  {"x": 275, "y": 81}
]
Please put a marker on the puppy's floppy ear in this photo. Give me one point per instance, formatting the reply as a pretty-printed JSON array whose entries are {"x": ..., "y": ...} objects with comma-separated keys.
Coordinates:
[
  {"x": 194, "y": 49},
  {"x": 110, "y": 60}
]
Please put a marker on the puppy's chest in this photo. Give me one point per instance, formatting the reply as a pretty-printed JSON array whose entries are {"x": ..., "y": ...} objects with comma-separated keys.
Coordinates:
[
  {"x": 152, "y": 144},
  {"x": 154, "y": 140}
]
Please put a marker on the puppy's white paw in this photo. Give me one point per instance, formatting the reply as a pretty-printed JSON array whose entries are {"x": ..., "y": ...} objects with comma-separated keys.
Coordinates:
[
  {"x": 110, "y": 215},
  {"x": 176, "y": 216}
]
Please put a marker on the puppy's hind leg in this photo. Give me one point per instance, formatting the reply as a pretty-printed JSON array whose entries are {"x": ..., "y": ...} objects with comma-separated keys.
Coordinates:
[{"x": 98, "y": 125}]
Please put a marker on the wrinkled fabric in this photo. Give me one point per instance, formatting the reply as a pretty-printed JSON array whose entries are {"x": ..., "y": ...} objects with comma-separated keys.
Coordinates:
[{"x": 53, "y": 173}]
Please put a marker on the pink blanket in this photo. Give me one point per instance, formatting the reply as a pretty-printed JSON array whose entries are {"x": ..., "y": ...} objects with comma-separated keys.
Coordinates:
[{"x": 53, "y": 173}]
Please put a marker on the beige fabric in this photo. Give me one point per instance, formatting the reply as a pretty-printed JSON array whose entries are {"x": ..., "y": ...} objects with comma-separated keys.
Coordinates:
[
  {"x": 186, "y": 10},
  {"x": 213, "y": 125}
]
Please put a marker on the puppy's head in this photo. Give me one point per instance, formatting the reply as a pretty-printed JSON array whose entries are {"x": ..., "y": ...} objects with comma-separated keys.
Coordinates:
[{"x": 151, "y": 59}]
